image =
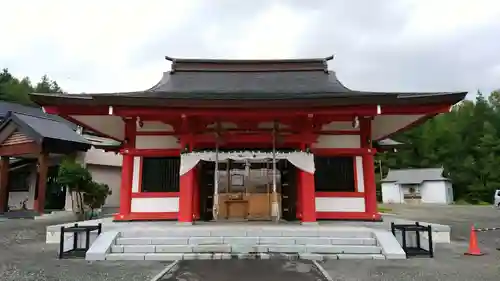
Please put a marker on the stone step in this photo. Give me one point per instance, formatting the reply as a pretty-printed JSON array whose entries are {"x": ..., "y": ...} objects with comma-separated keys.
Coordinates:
[
  {"x": 237, "y": 249},
  {"x": 183, "y": 232},
  {"x": 219, "y": 256},
  {"x": 245, "y": 241}
]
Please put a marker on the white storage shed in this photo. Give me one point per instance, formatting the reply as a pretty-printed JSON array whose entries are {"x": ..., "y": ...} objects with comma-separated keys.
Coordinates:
[{"x": 417, "y": 186}]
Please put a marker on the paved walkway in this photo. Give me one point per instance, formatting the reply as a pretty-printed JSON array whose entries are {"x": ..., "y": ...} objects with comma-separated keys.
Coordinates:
[{"x": 244, "y": 270}]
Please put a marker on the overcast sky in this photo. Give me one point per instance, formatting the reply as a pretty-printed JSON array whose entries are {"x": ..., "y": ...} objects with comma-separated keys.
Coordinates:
[{"x": 419, "y": 45}]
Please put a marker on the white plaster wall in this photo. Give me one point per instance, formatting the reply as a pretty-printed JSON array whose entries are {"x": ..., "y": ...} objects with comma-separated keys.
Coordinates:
[
  {"x": 392, "y": 193},
  {"x": 151, "y": 126},
  {"x": 156, "y": 142},
  {"x": 383, "y": 125},
  {"x": 345, "y": 126},
  {"x": 100, "y": 157},
  {"x": 269, "y": 125},
  {"x": 337, "y": 141},
  {"x": 17, "y": 197},
  {"x": 434, "y": 192},
  {"x": 111, "y": 176},
  {"x": 109, "y": 124},
  {"x": 359, "y": 174},
  {"x": 155, "y": 205},
  {"x": 340, "y": 204},
  {"x": 136, "y": 174}
]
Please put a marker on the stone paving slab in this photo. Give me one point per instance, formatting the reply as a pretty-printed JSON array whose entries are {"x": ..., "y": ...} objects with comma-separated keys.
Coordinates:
[{"x": 244, "y": 270}]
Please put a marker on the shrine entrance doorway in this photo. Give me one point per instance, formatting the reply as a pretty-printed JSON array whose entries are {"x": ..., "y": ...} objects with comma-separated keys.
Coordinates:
[{"x": 245, "y": 190}]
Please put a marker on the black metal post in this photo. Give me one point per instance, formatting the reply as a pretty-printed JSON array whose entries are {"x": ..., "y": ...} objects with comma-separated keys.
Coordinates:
[
  {"x": 393, "y": 230},
  {"x": 87, "y": 239},
  {"x": 417, "y": 234},
  {"x": 99, "y": 229},
  {"x": 61, "y": 243},
  {"x": 431, "y": 247},
  {"x": 403, "y": 241},
  {"x": 75, "y": 238}
]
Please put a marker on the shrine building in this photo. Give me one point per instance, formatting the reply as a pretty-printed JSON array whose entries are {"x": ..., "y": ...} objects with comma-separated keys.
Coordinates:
[{"x": 248, "y": 140}]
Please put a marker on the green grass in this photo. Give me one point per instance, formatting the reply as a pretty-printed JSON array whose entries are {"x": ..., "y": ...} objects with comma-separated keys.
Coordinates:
[
  {"x": 384, "y": 210},
  {"x": 463, "y": 202}
]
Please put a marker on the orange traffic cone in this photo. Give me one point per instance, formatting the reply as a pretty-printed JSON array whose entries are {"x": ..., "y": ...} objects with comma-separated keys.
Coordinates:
[{"x": 473, "y": 247}]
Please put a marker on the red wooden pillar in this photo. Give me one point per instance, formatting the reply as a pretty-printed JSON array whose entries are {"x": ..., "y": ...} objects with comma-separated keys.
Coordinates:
[
  {"x": 307, "y": 195},
  {"x": 186, "y": 189},
  {"x": 186, "y": 197},
  {"x": 41, "y": 184},
  {"x": 127, "y": 172},
  {"x": 4, "y": 181},
  {"x": 196, "y": 194},
  {"x": 369, "y": 171}
]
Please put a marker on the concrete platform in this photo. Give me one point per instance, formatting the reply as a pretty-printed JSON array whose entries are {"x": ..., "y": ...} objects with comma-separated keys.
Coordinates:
[{"x": 224, "y": 240}]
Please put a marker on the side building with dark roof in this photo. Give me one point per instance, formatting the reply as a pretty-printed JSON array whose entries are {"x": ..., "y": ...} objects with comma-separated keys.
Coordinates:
[
  {"x": 417, "y": 186},
  {"x": 30, "y": 139}
]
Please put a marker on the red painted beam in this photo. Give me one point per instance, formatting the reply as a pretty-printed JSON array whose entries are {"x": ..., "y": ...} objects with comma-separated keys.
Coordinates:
[
  {"x": 151, "y": 152},
  {"x": 343, "y": 151},
  {"x": 77, "y": 110},
  {"x": 253, "y": 138},
  {"x": 243, "y": 131},
  {"x": 147, "y": 112},
  {"x": 155, "y": 194},
  {"x": 339, "y": 194},
  {"x": 236, "y": 113}
]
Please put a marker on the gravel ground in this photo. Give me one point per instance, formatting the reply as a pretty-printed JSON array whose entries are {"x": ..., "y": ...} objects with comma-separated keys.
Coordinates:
[
  {"x": 25, "y": 256},
  {"x": 449, "y": 262}
]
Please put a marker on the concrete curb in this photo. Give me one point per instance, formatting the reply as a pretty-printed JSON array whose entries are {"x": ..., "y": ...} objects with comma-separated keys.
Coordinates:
[
  {"x": 101, "y": 246},
  {"x": 390, "y": 246},
  {"x": 323, "y": 271},
  {"x": 165, "y": 271}
]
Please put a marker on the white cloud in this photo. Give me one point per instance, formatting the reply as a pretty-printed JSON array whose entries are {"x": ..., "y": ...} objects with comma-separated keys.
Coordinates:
[{"x": 116, "y": 45}]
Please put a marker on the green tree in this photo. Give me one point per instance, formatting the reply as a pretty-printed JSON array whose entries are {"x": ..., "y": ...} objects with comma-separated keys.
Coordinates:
[
  {"x": 17, "y": 90},
  {"x": 86, "y": 192}
]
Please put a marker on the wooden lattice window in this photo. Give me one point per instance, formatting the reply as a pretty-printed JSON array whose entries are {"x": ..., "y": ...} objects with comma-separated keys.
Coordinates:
[{"x": 334, "y": 174}]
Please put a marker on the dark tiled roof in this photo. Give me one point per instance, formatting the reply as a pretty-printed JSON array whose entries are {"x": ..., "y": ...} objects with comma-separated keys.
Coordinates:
[
  {"x": 47, "y": 128},
  {"x": 415, "y": 176},
  {"x": 248, "y": 85},
  {"x": 249, "y": 80},
  {"x": 6, "y": 107}
]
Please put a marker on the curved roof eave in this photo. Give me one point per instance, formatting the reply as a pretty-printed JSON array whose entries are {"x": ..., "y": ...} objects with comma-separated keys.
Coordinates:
[{"x": 144, "y": 98}]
